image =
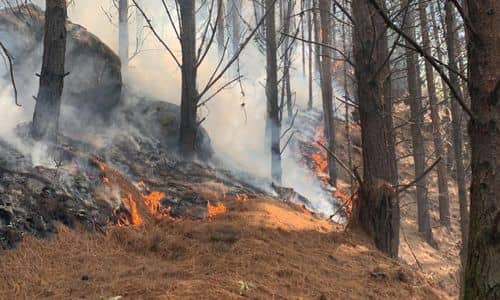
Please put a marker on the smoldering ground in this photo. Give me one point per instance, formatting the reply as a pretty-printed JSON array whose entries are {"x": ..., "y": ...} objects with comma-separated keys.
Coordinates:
[{"x": 234, "y": 119}]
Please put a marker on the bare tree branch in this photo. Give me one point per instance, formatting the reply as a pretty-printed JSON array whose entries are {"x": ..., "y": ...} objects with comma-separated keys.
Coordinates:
[
  {"x": 11, "y": 71},
  {"x": 426, "y": 55}
]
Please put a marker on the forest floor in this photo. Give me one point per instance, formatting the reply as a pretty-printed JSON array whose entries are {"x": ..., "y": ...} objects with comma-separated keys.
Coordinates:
[
  {"x": 440, "y": 264},
  {"x": 259, "y": 249}
]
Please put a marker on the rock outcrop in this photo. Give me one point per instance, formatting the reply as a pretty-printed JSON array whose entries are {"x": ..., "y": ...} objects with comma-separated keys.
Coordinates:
[{"x": 94, "y": 84}]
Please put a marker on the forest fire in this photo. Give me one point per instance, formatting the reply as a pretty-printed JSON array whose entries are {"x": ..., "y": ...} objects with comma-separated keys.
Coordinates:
[
  {"x": 214, "y": 210},
  {"x": 319, "y": 159},
  {"x": 319, "y": 156},
  {"x": 134, "y": 217},
  {"x": 153, "y": 202}
]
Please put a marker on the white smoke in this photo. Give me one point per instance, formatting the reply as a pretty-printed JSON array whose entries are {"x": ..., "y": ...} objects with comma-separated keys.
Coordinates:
[{"x": 236, "y": 130}]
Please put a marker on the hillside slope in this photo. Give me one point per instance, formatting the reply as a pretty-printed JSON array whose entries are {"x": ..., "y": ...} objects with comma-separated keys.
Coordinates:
[{"x": 258, "y": 249}]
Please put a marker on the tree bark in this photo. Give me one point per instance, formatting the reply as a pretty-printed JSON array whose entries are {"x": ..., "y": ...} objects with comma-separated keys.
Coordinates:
[
  {"x": 317, "y": 35},
  {"x": 456, "y": 114},
  {"x": 310, "y": 60},
  {"x": 235, "y": 24},
  {"x": 273, "y": 119},
  {"x": 123, "y": 36},
  {"x": 326, "y": 86},
  {"x": 377, "y": 209},
  {"x": 189, "y": 94},
  {"x": 442, "y": 174},
  {"x": 388, "y": 110},
  {"x": 416, "y": 112},
  {"x": 482, "y": 269},
  {"x": 221, "y": 26},
  {"x": 48, "y": 104},
  {"x": 346, "y": 97}
]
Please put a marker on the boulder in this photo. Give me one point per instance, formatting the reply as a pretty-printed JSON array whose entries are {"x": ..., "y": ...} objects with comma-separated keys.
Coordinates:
[{"x": 93, "y": 87}]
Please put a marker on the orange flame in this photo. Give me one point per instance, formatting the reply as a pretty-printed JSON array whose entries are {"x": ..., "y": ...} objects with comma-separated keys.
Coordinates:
[
  {"x": 215, "y": 210},
  {"x": 153, "y": 202},
  {"x": 131, "y": 205}
]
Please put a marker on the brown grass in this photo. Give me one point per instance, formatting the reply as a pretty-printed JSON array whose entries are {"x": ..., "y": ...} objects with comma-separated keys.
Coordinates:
[{"x": 271, "y": 250}]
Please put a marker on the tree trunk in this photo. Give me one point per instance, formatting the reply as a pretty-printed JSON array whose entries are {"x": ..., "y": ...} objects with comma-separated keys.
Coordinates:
[
  {"x": 456, "y": 114},
  {"x": 442, "y": 175},
  {"x": 326, "y": 85},
  {"x": 317, "y": 35},
  {"x": 416, "y": 111},
  {"x": 236, "y": 24},
  {"x": 346, "y": 97},
  {"x": 287, "y": 52},
  {"x": 377, "y": 209},
  {"x": 123, "y": 38},
  {"x": 450, "y": 156},
  {"x": 48, "y": 104},
  {"x": 310, "y": 60},
  {"x": 482, "y": 269},
  {"x": 388, "y": 110},
  {"x": 273, "y": 119},
  {"x": 189, "y": 94},
  {"x": 221, "y": 26}
]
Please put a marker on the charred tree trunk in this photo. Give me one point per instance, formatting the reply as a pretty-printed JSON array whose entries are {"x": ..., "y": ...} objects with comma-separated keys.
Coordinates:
[
  {"x": 377, "y": 209},
  {"x": 123, "y": 37},
  {"x": 456, "y": 114},
  {"x": 416, "y": 111},
  {"x": 442, "y": 174},
  {"x": 48, "y": 104},
  {"x": 273, "y": 110},
  {"x": 326, "y": 85},
  {"x": 189, "y": 94},
  {"x": 482, "y": 269}
]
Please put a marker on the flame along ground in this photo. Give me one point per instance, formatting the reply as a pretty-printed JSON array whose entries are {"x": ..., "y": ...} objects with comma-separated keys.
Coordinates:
[
  {"x": 320, "y": 162},
  {"x": 131, "y": 194}
]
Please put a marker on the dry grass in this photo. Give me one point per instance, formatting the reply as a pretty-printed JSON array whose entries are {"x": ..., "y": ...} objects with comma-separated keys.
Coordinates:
[{"x": 258, "y": 250}]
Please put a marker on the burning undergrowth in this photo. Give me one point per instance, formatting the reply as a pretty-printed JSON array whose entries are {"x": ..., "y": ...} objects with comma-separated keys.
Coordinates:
[
  {"x": 308, "y": 137},
  {"x": 124, "y": 175}
]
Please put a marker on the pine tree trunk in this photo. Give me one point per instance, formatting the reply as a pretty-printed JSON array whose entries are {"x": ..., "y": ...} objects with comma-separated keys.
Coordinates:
[
  {"x": 346, "y": 97},
  {"x": 123, "y": 36},
  {"x": 317, "y": 35},
  {"x": 377, "y": 209},
  {"x": 456, "y": 114},
  {"x": 48, "y": 104},
  {"x": 442, "y": 174},
  {"x": 326, "y": 85},
  {"x": 415, "y": 102},
  {"x": 273, "y": 109},
  {"x": 221, "y": 26},
  {"x": 482, "y": 269},
  {"x": 310, "y": 59},
  {"x": 388, "y": 110},
  {"x": 236, "y": 24},
  {"x": 189, "y": 94}
]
